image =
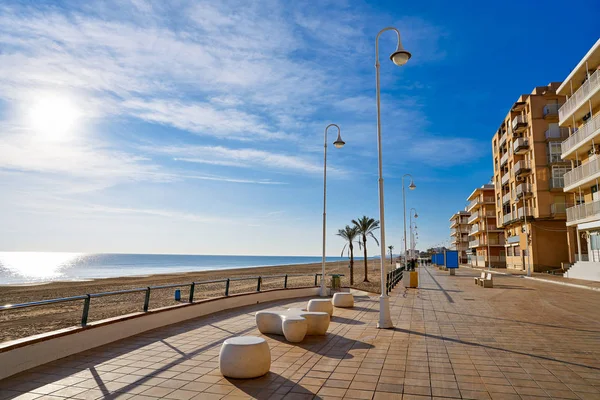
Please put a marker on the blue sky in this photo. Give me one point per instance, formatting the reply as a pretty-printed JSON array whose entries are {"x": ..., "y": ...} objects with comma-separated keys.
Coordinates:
[{"x": 197, "y": 127}]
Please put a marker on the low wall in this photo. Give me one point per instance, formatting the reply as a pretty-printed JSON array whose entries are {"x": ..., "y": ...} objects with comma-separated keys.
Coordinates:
[{"x": 22, "y": 354}]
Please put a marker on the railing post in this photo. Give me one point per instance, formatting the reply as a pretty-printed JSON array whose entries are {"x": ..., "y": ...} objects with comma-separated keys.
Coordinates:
[
  {"x": 258, "y": 284},
  {"x": 316, "y": 279},
  {"x": 86, "y": 310},
  {"x": 227, "y": 288},
  {"x": 147, "y": 300},
  {"x": 285, "y": 282},
  {"x": 192, "y": 287}
]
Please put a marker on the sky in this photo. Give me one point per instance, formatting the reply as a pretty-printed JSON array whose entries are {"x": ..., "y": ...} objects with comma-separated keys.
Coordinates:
[{"x": 196, "y": 127}]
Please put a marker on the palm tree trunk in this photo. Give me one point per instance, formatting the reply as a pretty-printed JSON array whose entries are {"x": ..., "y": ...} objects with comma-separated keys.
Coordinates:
[
  {"x": 351, "y": 264},
  {"x": 365, "y": 255}
]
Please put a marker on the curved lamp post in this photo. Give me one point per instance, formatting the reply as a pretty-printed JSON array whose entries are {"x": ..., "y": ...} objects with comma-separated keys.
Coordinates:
[
  {"x": 410, "y": 212},
  {"x": 398, "y": 57},
  {"x": 411, "y": 186},
  {"x": 339, "y": 143}
]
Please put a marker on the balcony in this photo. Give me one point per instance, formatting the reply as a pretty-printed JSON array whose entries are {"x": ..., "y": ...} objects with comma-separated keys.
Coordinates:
[
  {"x": 474, "y": 243},
  {"x": 551, "y": 110},
  {"x": 523, "y": 190},
  {"x": 582, "y": 174},
  {"x": 504, "y": 159},
  {"x": 521, "y": 146},
  {"x": 582, "y": 94},
  {"x": 505, "y": 178},
  {"x": 475, "y": 229},
  {"x": 558, "y": 209},
  {"x": 453, "y": 223},
  {"x": 522, "y": 167},
  {"x": 506, "y": 198},
  {"x": 494, "y": 228},
  {"x": 557, "y": 182},
  {"x": 585, "y": 133},
  {"x": 503, "y": 138},
  {"x": 519, "y": 123},
  {"x": 474, "y": 217},
  {"x": 524, "y": 212},
  {"x": 494, "y": 241},
  {"x": 583, "y": 213},
  {"x": 506, "y": 219},
  {"x": 554, "y": 132}
]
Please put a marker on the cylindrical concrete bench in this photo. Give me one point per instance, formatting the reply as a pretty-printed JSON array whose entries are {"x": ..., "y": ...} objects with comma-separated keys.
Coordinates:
[
  {"x": 288, "y": 323},
  {"x": 294, "y": 327},
  {"x": 244, "y": 357},
  {"x": 343, "y": 300},
  {"x": 322, "y": 305}
]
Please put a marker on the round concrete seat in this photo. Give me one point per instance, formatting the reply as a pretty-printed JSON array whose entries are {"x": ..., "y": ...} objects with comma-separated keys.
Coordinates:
[
  {"x": 317, "y": 322},
  {"x": 294, "y": 328},
  {"x": 244, "y": 357},
  {"x": 344, "y": 300},
  {"x": 322, "y": 305}
]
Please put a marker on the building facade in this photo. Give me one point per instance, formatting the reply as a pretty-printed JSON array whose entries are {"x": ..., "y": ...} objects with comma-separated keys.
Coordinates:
[
  {"x": 459, "y": 234},
  {"x": 486, "y": 242},
  {"x": 580, "y": 116},
  {"x": 529, "y": 180}
]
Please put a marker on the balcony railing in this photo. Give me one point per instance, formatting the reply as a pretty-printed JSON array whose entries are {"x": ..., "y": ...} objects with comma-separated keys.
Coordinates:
[
  {"x": 506, "y": 198},
  {"x": 503, "y": 138},
  {"x": 474, "y": 243},
  {"x": 522, "y": 166},
  {"x": 505, "y": 178},
  {"x": 555, "y": 132},
  {"x": 524, "y": 211},
  {"x": 520, "y": 146},
  {"x": 504, "y": 159},
  {"x": 579, "y": 175},
  {"x": 507, "y": 218},
  {"x": 551, "y": 110},
  {"x": 473, "y": 217},
  {"x": 556, "y": 182},
  {"x": 558, "y": 208},
  {"x": 581, "y": 95},
  {"x": 493, "y": 241},
  {"x": 583, "y": 211},
  {"x": 523, "y": 189},
  {"x": 519, "y": 123},
  {"x": 475, "y": 229},
  {"x": 586, "y": 131}
]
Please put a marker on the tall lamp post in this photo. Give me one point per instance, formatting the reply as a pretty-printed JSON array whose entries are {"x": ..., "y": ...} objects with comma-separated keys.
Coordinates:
[
  {"x": 412, "y": 186},
  {"x": 339, "y": 143},
  {"x": 410, "y": 212},
  {"x": 398, "y": 57}
]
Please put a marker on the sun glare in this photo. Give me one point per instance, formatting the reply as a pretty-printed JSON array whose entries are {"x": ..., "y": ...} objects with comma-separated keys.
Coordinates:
[{"x": 53, "y": 117}]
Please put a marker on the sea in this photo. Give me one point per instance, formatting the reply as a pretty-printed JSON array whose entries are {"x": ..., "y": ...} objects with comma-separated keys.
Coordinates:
[{"x": 41, "y": 267}]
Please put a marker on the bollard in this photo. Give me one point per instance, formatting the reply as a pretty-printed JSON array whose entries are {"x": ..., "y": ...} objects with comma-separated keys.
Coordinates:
[
  {"x": 258, "y": 284},
  {"x": 192, "y": 287},
  {"x": 227, "y": 288},
  {"x": 285, "y": 282},
  {"x": 86, "y": 310},
  {"x": 147, "y": 299}
]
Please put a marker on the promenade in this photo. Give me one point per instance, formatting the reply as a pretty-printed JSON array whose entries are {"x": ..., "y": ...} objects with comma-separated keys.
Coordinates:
[{"x": 522, "y": 339}]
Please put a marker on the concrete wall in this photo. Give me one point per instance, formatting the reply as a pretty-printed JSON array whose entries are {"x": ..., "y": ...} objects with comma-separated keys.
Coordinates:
[{"x": 22, "y": 354}]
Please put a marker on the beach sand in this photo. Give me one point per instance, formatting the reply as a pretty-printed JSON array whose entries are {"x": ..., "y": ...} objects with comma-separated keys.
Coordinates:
[{"x": 20, "y": 323}]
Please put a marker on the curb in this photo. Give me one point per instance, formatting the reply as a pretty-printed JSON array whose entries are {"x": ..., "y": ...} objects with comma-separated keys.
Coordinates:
[{"x": 575, "y": 285}]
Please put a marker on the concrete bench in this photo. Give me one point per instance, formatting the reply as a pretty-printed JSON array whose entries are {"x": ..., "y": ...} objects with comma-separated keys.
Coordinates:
[
  {"x": 244, "y": 357},
  {"x": 293, "y": 323},
  {"x": 323, "y": 305},
  {"x": 343, "y": 300},
  {"x": 487, "y": 282},
  {"x": 481, "y": 277}
]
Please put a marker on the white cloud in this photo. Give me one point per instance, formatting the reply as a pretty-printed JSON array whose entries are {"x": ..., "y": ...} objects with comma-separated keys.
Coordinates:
[{"x": 446, "y": 152}]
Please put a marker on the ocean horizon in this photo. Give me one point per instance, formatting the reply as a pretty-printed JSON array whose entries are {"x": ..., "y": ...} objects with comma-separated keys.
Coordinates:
[{"x": 42, "y": 267}]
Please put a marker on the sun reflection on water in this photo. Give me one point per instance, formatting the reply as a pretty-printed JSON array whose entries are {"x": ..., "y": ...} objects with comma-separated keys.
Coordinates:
[{"x": 35, "y": 266}]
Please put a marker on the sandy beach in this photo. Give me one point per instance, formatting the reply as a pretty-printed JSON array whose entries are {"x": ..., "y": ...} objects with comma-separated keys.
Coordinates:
[{"x": 30, "y": 321}]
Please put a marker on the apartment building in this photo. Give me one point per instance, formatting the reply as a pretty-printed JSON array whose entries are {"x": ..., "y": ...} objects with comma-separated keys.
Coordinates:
[
  {"x": 459, "y": 234},
  {"x": 486, "y": 242},
  {"x": 580, "y": 116},
  {"x": 529, "y": 179}
]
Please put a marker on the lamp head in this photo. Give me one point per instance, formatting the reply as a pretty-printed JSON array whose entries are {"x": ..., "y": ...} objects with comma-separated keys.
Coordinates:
[
  {"x": 412, "y": 185},
  {"x": 339, "y": 143},
  {"x": 400, "y": 56},
  {"x": 416, "y": 215}
]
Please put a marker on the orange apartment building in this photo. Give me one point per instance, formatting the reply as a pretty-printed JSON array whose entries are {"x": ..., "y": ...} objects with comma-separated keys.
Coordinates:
[
  {"x": 486, "y": 244},
  {"x": 459, "y": 234},
  {"x": 529, "y": 180},
  {"x": 580, "y": 115}
]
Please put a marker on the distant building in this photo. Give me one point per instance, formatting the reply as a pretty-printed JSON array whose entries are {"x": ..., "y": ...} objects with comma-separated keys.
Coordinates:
[
  {"x": 579, "y": 117},
  {"x": 486, "y": 243},
  {"x": 459, "y": 234},
  {"x": 528, "y": 181}
]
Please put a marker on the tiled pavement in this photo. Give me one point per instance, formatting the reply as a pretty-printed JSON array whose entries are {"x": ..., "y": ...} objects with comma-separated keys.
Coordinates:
[{"x": 522, "y": 339}]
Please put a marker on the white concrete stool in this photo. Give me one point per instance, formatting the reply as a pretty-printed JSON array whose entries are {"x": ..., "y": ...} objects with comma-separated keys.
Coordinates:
[
  {"x": 344, "y": 300},
  {"x": 322, "y": 305},
  {"x": 244, "y": 357},
  {"x": 288, "y": 323},
  {"x": 294, "y": 328}
]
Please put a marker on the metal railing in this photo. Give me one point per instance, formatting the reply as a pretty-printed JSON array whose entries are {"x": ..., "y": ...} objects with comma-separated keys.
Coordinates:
[
  {"x": 551, "y": 110},
  {"x": 582, "y": 211},
  {"x": 474, "y": 243},
  {"x": 523, "y": 189},
  {"x": 392, "y": 278},
  {"x": 521, "y": 166},
  {"x": 586, "y": 131},
  {"x": 582, "y": 173},
  {"x": 520, "y": 121},
  {"x": 505, "y": 178},
  {"x": 193, "y": 286},
  {"x": 475, "y": 228},
  {"x": 576, "y": 100},
  {"x": 555, "y": 132},
  {"x": 520, "y": 144},
  {"x": 504, "y": 159},
  {"x": 558, "y": 208},
  {"x": 474, "y": 216},
  {"x": 506, "y": 198}
]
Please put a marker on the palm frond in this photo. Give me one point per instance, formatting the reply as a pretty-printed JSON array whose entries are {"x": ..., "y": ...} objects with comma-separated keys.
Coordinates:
[{"x": 374, "y": 238}]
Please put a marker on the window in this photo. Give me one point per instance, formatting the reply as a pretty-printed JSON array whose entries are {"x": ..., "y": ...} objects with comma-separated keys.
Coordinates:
[
  {"x": 517, "y": 250},
  {"x": 554, "y": 151}
]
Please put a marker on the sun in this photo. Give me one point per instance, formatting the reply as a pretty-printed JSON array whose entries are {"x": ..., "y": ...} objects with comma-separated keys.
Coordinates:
[{"x": 53, "y": 116}]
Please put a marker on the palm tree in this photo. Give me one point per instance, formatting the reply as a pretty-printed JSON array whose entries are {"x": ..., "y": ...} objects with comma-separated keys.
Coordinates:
[
  {"x": 366, "y": 226},
  {"x": 391, "y": 257},
  {"x": 349, "y": 233}
]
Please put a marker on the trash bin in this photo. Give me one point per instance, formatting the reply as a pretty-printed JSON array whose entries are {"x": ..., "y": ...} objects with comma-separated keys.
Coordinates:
[
  {"x": 178, "y": 295},
  {"x": 336, "y": 282}
]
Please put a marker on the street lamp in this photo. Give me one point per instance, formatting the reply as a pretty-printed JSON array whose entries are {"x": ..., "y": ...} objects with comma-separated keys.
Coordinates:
[
  {"x": 398, "y": 57},
  {"x": 339, "y": 143},
  {"x": 412, "y": 186},
  {"x": 410, "y": 212}
]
